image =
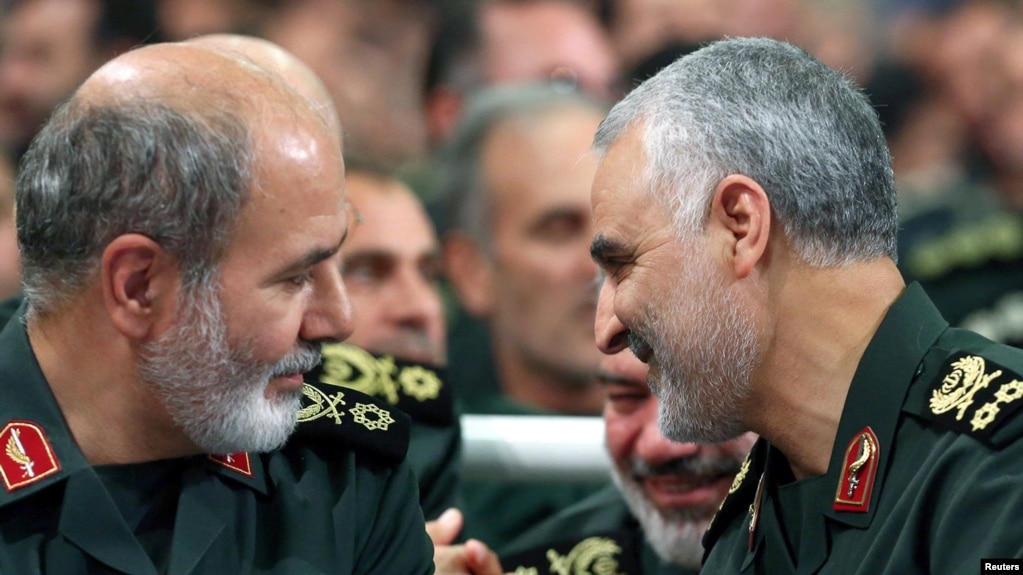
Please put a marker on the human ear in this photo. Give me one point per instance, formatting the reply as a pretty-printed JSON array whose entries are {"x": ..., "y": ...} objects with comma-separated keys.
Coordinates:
[
  {"x": 140, "y": 286},
  {"x": 471, "y": 273},
  {"x": 741, "y": 211}
]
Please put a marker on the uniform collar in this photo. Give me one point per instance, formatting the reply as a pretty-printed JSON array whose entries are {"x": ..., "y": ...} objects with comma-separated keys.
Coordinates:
[
  {"x": 889, "y": 365},
  {"x": 27, "y": 402}
]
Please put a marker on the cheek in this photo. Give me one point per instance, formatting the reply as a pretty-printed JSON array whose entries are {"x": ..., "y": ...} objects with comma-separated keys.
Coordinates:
[
  {"x": 619, "y": 437},
  {"x": 267, "y": 329}
]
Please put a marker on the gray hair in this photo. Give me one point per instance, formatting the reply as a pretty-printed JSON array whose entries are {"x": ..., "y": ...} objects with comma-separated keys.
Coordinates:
[
  {"x": 463, "y": 187},
  {"x": 97, "y": 171},
  {"x": 770, "y": 111}
]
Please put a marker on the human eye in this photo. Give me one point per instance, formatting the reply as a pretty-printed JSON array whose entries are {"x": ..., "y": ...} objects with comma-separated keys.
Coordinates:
[
  {"x": 560, "y": 227},
  {"x": 625, "y": 398},
  {"x": 365, "y": 270},
  {"x": 300, "y": 280}
]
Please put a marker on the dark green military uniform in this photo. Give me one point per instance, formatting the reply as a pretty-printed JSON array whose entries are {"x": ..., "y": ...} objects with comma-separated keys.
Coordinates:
[
  {"x": 9, "y": 307},
  {"x": 968, "y": 256},
  {"x": 336, "y": 499},
  {"x": 596, "y": 536},
  {"x": 421, "y": 392},
  {"x": 926, "y": 472}
]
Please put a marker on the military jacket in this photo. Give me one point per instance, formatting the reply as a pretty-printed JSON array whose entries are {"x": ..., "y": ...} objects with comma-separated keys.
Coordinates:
[
  {"x": 970, "y": 262},
  {"x": 597, "y": 536},
  {"x": 926, "y": 472},
  {"x": 336, "y": 499},
  {"x": 421, "y": 392}
]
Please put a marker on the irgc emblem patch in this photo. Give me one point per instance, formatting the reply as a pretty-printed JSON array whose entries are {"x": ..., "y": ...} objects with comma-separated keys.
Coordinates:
[
  {"x": 26, "y": 456},
  {"x": 974, "y": 395}
]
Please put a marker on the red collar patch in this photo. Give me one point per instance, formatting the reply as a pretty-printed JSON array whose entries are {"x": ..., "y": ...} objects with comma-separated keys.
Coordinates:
[
  {"x": 239, "y": 462},
  {"x": 26, "y": 456},
  {"x": 859, "y": 467}
]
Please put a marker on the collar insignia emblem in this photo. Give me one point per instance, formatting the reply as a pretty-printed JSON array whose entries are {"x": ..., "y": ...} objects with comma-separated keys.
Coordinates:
[
  {"x": 26, "y": 456},
  {"x": 859, "y": 468},
  {"x": 239, "y": 462},
  {"x": 591, "y": 555}
]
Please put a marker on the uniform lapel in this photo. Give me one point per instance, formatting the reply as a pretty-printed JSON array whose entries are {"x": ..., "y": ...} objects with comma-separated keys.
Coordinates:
[
  {"x": 207, "y": 506},
  {"x": 883, "y": 377},
  {"x": 91, "y": 521}
]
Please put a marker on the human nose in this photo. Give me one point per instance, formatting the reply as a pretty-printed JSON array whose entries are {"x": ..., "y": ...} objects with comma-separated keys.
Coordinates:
[
  {"x": 415, "y": 301},
  {"x": 611, "y": 333},
  {"x": 329, "y": 317}
]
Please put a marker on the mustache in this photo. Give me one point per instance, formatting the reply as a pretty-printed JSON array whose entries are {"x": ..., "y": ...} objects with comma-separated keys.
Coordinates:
[
  {"x": 685, "y": 466},
  {"x": 639, "y": 346},
  {"x": 304, "y": 358}
]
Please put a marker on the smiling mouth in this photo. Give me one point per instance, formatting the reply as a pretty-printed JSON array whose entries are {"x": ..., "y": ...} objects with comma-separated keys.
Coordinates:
[{"x": 681, "y": 484}]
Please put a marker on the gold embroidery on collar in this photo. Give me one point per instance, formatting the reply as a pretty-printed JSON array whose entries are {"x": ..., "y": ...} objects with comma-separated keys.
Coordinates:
[
  {"x": 381, "y": 420},
  {"x": 356, "y": 368},
  {"x": 1006, "y": 394},
  {"x": 740, "y": 476},
  {"x": 958, "y": 387},
  {"x": 323, "y": 405},
  {"x": 591, "y": 556}
]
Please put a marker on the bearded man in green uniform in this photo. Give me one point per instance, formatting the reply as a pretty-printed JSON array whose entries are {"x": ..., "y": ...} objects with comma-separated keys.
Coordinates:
[
  {"x": 665, "y": 494},
  {"x": 180, "y": 221},
  {"x": 745, "y": 216}
]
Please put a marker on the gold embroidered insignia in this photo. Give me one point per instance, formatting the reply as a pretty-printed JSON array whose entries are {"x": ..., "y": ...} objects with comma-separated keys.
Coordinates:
[
  {"x": 353, "y": 367},
  {"x": 381, "y": 420},
  {"x": 859, "y": 468},
  {"x": 975, "y": 395},
  {"x": 958, "y": 387},
  {"x": 239, "y": 462},
  {"x": 27, "y": 456},
  {"x": 527, "y": 571},
  {"x": 594, "y": 555},
  {"x": 1006, "y": 394},
  {"x": 740, "y": 476},
  {"x": 419, "y": 382},
  {"x": 323, "y": 405}
]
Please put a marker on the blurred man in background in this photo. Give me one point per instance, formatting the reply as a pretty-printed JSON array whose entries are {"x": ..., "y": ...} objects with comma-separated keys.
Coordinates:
[
  {"x": 665, "y": 493},
  {"x": 48, "y": 47},
  {"x": 517, "y": 187}
]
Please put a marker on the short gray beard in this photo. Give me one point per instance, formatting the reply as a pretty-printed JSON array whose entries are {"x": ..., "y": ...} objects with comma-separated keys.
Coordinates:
[
  {"x": 213, "y": 393},
  {"x": 675, "y": 539},
  {"x": 706, "y": 348}
]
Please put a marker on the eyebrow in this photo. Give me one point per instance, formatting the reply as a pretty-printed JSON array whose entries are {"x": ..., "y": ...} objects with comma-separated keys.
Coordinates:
[
  {"x": 312, "y": 258},
  {"x": 602, "y": 248}
]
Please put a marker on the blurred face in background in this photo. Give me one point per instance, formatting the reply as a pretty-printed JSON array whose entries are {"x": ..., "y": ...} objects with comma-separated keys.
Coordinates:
[
  {"x": 392, "y": 269},
  {"x": 536, "y": 41},
  {"x": 47, "y": 49},
  {"x": 10, "y": 273},
  {"x": 542, "y": 298},
  {"x": 371, "y": 56},
  {"x": 673, "y": 489}
]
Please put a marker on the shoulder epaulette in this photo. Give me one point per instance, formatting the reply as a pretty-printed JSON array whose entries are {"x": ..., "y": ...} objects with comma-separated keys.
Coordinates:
[
  {"x": 613, "y": 552},
  {"x": 416, "y": 389},
  {"x": 997, "y": 238},
  {"x": 740, "y": 496},
  {"x": 336, "y": 417},
  {"x": 974, "y": 395}
]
